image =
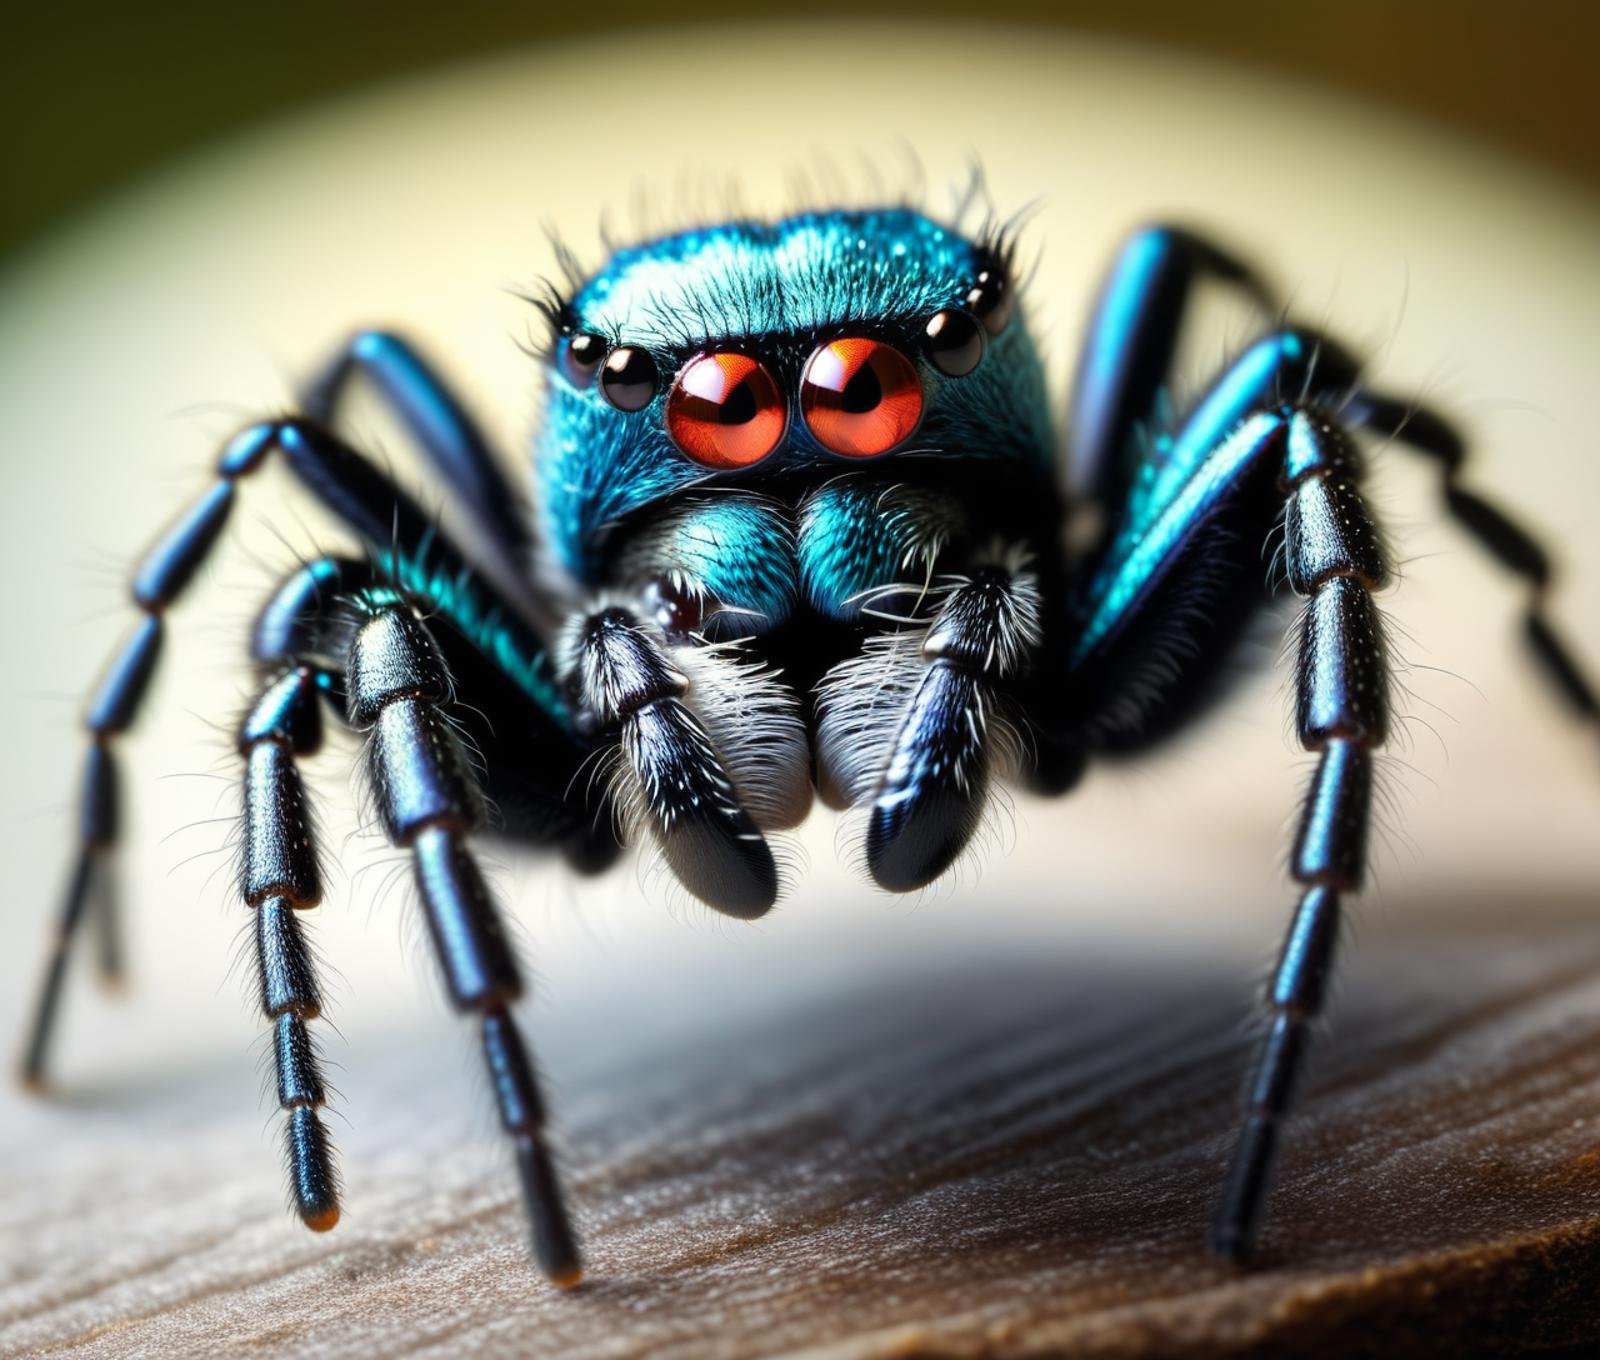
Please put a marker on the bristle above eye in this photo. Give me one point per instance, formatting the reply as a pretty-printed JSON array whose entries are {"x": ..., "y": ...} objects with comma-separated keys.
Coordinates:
[{"x": 555, "y": 311}]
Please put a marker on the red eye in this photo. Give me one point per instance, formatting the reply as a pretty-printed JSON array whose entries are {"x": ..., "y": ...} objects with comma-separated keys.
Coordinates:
[
  {"x": 725, "y": 411},
  {"x": 860, "y": 397}
]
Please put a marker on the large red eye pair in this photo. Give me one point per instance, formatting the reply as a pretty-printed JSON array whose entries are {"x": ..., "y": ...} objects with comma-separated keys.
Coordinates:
[{"x": 858, "y": 397}]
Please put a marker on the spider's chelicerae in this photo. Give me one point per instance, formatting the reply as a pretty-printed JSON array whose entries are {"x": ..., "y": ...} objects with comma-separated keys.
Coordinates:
[{"x": 796, "y": 524}]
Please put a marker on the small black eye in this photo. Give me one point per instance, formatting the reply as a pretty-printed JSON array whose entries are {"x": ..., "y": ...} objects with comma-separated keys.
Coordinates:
[
  {"x": 628, "y": 378},
  {"x": 991, "y": 300},
  {"x": 580, "y": 358},
  {"x": 954, "y": 342}
]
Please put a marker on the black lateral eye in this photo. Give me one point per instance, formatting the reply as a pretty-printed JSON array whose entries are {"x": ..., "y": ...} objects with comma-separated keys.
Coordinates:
[
  {"x": 991, "y": 299},
  {"x": 954, "y": 342},
  {"x": 628, "y": 378},
  {"x": 580, "y": 357}
]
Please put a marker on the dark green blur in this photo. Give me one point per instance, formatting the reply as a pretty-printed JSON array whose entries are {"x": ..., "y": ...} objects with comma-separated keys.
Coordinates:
[{"x": 90, "y": 102}]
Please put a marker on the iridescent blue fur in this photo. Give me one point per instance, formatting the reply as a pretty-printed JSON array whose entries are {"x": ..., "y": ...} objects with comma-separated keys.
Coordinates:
[
  {"x": 737, "y": 550},
  {"x": 858, "y": 533},
  {"x": 776, "y": 289}
]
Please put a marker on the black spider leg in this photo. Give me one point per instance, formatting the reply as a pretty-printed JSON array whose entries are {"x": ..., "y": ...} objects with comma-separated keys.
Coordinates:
[
  {"x": 447, "y": 434},
  {"x": 1511, "y": 545},
  {"x": 279, "y": 875},
  {"x": 429, "y": 801},
  {"x": 533, "y": 779},
  {"x": 166, "y": 570},
  {"x": 1126, "y": 359},
  {"x": 356, "y": 491},
  {"x": 278, "y": 879},
  {"x": 1342, "y": 682},
  {"x": 1295, "y": 463}
]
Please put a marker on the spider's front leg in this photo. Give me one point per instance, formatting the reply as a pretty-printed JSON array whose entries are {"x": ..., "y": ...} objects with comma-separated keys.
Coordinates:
[
  {"x": 428, "y": 799},
  {"x": 394, "y": 684},
  {"x": 279, "y": 878}
]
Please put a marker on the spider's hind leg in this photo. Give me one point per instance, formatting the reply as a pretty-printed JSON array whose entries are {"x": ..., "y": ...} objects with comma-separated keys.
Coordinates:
[
  {"x": 449, "y": 437},
  {"x": 160, "y": 579},
  {"x": 1512, "y": 546},
  {"x": 1127, "y": 356}
]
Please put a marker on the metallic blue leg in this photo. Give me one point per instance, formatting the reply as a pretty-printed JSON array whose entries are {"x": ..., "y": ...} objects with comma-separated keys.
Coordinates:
[
  {"x": 1290, "y": 462},
  {"x": 532, "y": 781},
  {"x": 166, "y": 570},
  {"x": 1173, "y": 588},
  {"x": 1127, "y": 359},
  {"x": 448, "y": 435},
  {"x": 1342, "y": 684},
  {"x": 429, "y": 802}
]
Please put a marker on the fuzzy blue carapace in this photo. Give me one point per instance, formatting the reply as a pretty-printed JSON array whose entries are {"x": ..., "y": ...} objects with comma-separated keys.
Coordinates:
[
  {"x": 774, "y": 291},
  {"x": 797, "y": 531}
]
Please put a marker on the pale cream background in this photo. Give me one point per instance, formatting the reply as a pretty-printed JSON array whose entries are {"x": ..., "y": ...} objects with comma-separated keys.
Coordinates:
[{"x": 132, "y": 345}]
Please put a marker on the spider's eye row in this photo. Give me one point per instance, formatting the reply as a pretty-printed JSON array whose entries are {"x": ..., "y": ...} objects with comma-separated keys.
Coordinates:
[
  {"x": 991, "y": 300},
  {"x": 953, "y": 341},
  {"x": 628, "y": 378},
  {"x": 579, "y": 356},
  {"x": 860, "y": 397},
  {"x": 725, "y": 411},
  {"x": 627, "y": 375}
]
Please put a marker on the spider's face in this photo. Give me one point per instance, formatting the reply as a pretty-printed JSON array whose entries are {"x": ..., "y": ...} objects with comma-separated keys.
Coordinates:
[{"x": 777, "y": 355}]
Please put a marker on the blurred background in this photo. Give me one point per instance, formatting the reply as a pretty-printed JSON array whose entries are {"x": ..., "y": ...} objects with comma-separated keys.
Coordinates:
[
  {"x": 95, "y": 96},
  {"x": 202, "y": 202}
]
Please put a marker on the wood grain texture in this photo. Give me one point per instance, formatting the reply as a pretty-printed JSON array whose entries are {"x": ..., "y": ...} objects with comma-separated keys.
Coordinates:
[{"x": 1009, "y": 1156}]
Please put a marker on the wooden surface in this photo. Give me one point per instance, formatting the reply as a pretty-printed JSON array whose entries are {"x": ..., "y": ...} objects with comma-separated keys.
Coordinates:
[
  {"x": 1010, "y": 1157},
  {"x": 990, "y": 1121}
]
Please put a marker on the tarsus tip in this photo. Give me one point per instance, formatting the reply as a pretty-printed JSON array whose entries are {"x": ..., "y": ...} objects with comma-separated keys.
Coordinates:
[
  {"x": 570, "y": 1278},
  {"x": 322, "y": 1220}
]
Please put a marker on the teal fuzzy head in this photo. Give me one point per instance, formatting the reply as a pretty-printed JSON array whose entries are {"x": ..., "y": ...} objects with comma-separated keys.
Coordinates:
[{"x": 839, "y": 338}]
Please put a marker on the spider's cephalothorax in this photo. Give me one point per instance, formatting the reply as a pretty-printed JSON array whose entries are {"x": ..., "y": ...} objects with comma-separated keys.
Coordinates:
[
  {"x": 791, "y": 433},
  {"x": 796, "y": 525}
]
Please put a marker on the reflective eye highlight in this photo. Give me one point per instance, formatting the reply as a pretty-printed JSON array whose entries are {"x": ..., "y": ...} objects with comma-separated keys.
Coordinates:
[
  {"x": 725, "y": 411},
  {"x": 991, "y": 300},
  {"x": 580, "y": 357},
  {"x": 628, "y": 379},
  {"x": 860, "y": 397},
  {"x": 953, "y": 341}
]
